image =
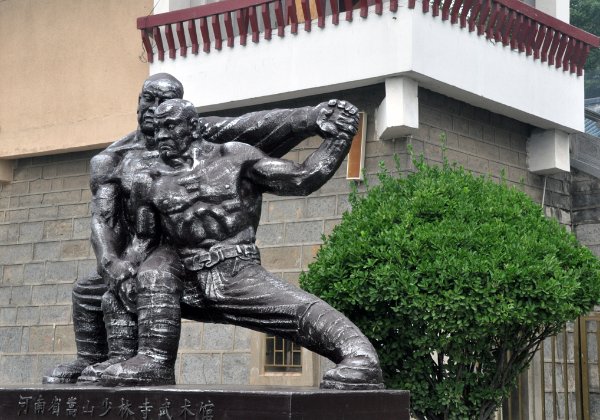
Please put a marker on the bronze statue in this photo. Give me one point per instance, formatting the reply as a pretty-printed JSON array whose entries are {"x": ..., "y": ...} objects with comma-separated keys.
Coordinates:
[{"x": 174, "y": 237}]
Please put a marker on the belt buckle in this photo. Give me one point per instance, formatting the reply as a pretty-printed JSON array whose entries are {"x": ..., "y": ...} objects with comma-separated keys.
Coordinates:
[
  {"x": 214, "y": 257},
  {"x": 200, "y": 261}
]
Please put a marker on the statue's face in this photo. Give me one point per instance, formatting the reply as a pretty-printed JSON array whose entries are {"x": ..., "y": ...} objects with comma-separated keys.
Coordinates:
[
  {"x": 153, "y": 94},
  {"x": 173, "y": 134}
]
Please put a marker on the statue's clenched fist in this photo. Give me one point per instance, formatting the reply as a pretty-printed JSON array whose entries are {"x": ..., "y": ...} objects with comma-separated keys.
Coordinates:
[{"x": 337, "y": 119}]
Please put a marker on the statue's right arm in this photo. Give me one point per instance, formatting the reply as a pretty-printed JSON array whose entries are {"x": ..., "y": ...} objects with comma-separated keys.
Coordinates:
[
  {"x": 277, "y": 131},
  {"x": 108, "y": 233}
]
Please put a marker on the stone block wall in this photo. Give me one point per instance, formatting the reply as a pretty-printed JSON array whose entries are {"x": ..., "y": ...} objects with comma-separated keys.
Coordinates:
[
  {"x": 586, "y": 210},
  {"x": 44, "y": 248},
  {"x": 45, "y": 229}
]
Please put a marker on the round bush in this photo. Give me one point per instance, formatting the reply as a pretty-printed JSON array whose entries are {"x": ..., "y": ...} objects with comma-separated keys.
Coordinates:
[{"x": 456, "y": 280}]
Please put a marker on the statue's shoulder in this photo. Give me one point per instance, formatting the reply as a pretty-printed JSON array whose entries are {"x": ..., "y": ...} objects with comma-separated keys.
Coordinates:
[
  {"x": 124, "y": 144},
  {"x": 104, "y": 164}
]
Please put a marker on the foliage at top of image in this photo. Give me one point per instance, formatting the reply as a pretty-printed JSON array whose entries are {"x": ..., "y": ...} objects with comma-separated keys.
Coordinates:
[{"x": 456, "y": 280}]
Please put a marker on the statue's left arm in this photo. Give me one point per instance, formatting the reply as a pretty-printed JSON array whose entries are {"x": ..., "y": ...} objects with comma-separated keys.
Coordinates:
[
  {"x": 277, "y": 131},
  {"x": 284, "y": 177}
]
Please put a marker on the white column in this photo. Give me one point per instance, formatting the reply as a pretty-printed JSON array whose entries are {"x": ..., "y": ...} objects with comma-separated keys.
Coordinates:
[
  {"x": 557, "y": 8},
  {"x": 548, "y": 152},
  {"x": 163, "y": 6},
  {"x": 398, "y": 113}
]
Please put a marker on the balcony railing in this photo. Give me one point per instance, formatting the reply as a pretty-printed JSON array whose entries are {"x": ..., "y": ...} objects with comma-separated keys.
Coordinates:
[{"x": 511, "y": 22}]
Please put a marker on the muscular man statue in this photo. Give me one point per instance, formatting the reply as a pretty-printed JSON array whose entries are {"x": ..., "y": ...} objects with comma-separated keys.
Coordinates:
[
  {"x": 105, "y": 332},
  {"x": 204, "y": 199}
]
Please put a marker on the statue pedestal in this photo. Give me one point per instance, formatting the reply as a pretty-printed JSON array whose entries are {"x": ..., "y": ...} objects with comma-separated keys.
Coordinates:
[{"x": 199, "y": 402}]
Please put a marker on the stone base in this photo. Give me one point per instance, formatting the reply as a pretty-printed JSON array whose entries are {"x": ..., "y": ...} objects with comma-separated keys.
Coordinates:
[{"x": 194, "y": 402}]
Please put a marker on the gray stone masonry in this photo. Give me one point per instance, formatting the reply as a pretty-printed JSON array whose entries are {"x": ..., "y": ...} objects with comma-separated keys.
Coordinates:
[
  {"x": 586, "y": 209},
  {"x": 45, "y": 230}
]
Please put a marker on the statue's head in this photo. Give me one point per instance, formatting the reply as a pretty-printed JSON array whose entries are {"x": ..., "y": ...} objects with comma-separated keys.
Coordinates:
[
  {"x": 176, "y": 127},
  {"x": 156, "y": 89}
]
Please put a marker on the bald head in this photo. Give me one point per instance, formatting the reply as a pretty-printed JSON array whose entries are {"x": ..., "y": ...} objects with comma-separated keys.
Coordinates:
[
  {"x": 178, "y": 108},
  {"x": 164, "y": 82},
  {"x": 155, "y": 90}
]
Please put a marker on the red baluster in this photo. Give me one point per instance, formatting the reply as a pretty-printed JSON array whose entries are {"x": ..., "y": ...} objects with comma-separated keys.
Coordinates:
[
  {"x": 436, "y": 7},
  {"x": 266, "y": 15},
  {"x": 348, "y": 5},
  {"x": 205, "y": 35},
  {"x": 242, "y": 21},
  {"x": 582, "y": 57},
  {"x": 229, "y": 29},
  {"x": 364, "y": 8},
  {"x": 425, "y": 6},
  {"x": 253, "y": 23},
  {"x": 554, "y": 48},
  {"x": 503, "y": 20},
  {"x": 379, "y": 6},
  {"x": 576, "y": 57},
  {"x": 393, "y": 5},
  {"x": 455, "y": 10},
  {"x": 530, "y": 40},
  {"x": 181, "y": 39},
  {"x": 569, "y": 54},
  {"x": 320, "y": 13},
  {"x": 411, "y": 4},
  {"x": 193, "y": 36},
  {"x": 170, "y": 40},
  {"x": 335, "y": 12},
  {"x": 492, "y": 23},
  {"x": 561, "y": 51},
  {"x": 483, "y": 15},
  {"x": 159, "y": 43},
  {"x": 523, "y": 34},
  {"x": 517, "y": 33},
  {"x": 292, "y": 16},
  {"x": 508, "y": 27},
  {"x": 306, "y": 13},
  {"x": 539, "y": 39},
  {"x": 547, "y": 42},
  {"x": 466, "y": 9},
  {"x": 147, "y": 46},
  {"x": 279, "y": 18},
  {"x": 216, "y": 25},
  {"x": 473, "y": 16},
  {"x": 446, "y": 9}
]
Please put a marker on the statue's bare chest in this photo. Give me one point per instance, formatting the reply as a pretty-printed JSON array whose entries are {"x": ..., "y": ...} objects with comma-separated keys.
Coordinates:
[{"x": 211, "y": 182}]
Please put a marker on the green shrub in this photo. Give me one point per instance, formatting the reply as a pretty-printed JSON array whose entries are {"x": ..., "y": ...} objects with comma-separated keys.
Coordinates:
[{"x": 456, "y": 280}]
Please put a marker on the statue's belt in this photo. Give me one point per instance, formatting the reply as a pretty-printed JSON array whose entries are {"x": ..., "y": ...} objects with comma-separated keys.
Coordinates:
[{"x": 202, "y": 259}]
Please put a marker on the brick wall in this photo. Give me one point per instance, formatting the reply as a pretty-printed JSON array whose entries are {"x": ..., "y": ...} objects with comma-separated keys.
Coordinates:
[{"x": 44, "y": 232}]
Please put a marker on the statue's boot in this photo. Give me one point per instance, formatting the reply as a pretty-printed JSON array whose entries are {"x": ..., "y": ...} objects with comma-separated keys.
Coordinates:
[
  {"x": 122, "y": 330},
  {"x": 159, "y": 328},
  {"x": 326, "y": 331},
  {"x": 90, "y": 334}
]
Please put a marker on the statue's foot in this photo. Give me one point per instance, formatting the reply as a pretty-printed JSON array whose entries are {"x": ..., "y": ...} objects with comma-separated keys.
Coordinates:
[
  {"x": 141, "y": 370},
  {"x": 92, "y": 373},
  {"x": 353, "y": 374},
  {"x": 66, "y": 373}
]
